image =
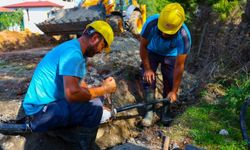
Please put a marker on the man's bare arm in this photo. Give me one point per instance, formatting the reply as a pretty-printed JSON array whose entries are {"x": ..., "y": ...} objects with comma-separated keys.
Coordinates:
[
  {"x": 178, "y": 71},
  {"x": 75, "y": 93}
]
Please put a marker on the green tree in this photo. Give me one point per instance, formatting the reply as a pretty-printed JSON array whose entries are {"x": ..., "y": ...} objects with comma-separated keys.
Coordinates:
[
  {"x": 9, "y": 19},
  {"x": 150, "y": 6},
  {"x": 222, "y": 7},
  {"x": 154, "y": 7}
]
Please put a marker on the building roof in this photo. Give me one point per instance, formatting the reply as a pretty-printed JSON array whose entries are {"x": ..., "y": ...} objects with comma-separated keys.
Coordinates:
[
  {"x": 2, "y": 9},
  {"x": 33, "y": 4}
]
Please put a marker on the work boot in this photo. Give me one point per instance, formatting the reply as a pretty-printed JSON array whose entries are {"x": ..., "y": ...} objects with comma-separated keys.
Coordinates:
[
  {"x": 166, "y": 116},
  {"x": 148, "y": 119},
  {"x": 149, "y": 96}
]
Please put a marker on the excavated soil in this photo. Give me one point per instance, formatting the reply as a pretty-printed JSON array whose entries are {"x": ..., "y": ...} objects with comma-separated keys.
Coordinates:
[
  {"x": 11, "y": 40},
  {"x": 16, "y": 70}
]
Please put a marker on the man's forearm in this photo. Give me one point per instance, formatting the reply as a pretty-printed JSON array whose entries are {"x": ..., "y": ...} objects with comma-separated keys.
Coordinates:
[
  {"x": 178, "y": 72},
  {"x": 86, "y": 94},
  {"x": 97, "y": 91},
  {"x": 79, "y": 93}
]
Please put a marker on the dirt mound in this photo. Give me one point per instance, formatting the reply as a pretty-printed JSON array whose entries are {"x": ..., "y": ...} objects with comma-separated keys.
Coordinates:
[{"x": 12, "y": 40}]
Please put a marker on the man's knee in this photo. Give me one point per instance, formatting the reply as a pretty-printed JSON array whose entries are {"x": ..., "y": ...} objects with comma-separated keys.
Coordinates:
[{"x": 86, "y": 114}]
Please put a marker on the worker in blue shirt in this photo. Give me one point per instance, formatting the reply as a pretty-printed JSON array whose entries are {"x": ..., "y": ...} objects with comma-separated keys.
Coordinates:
[
  {"x": 165, "y": 40},
  {"x": 57, "y": 96}
]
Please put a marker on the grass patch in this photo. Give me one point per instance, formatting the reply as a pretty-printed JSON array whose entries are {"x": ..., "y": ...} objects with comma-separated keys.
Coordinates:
[{"x": 205, "y": 120}]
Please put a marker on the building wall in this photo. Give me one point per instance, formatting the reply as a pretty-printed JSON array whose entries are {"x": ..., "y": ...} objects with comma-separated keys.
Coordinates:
[
  {"x": 32, "y": 16},
  {"x": 35, "y": 15}
]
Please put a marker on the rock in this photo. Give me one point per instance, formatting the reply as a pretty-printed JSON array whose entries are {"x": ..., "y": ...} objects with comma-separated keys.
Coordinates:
[
  {"x": 11, "y": 110},
  {"x": 132, "y": 140},
  {"x": 1, "y": 136},
  {"x": 175, "y": 146},
  {"x": 223, "y": 132},
  {"x": 100, "y": 133}
]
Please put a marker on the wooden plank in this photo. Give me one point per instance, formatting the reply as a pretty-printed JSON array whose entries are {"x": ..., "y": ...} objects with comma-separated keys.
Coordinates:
[{"x": 166, "y": 143}]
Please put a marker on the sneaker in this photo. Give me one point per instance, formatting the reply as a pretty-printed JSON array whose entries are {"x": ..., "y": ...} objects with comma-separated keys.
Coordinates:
[{"x": 106, "y": 115}]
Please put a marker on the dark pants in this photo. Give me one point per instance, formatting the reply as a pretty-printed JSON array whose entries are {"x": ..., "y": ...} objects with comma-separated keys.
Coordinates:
[
  {"x": 75, "y": 123},
  {"x": 61, "y": 113},
  {"x": 79, "y": 138},
  {"x": 167, "y": 70}
]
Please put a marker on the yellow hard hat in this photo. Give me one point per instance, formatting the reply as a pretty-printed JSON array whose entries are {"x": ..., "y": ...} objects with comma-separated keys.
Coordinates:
[
  {"x": 171, "y": 18},
  {"x": 105, "y": 30}
]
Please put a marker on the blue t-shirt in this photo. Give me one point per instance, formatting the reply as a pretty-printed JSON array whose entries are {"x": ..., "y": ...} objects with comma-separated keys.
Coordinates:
[
  {"x": 47, "y": 82},
  {"x": 178, "y": 45}
]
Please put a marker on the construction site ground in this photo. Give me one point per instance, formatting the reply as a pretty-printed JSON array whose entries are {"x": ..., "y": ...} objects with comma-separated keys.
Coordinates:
[
  {"x": 210, "y": 59},
  {"x": 17, "y": 63},
  {"x": 219, "y": 53}
]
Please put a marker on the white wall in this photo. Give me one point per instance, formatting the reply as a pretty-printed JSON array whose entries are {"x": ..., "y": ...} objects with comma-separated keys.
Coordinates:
[{"x": 36, "y": 15}]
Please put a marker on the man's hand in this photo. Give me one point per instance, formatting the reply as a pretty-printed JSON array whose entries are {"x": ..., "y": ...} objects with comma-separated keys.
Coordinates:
[
  {"x": 83, "y": 84},
  {"x": 109, "y": 85},
  {"x": 172, "y": 96},
  {"x": 149, "y": 76}
]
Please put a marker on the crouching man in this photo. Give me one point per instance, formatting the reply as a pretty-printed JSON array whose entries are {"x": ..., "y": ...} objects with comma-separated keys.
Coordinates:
[{"x": 57, "y": 98}]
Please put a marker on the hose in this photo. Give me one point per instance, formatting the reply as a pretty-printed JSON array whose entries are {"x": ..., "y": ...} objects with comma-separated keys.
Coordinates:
[
  {"x": 14, "y": 129},
  {"x": 243, "y": 114},
  {"x": 140, "y": 105}
]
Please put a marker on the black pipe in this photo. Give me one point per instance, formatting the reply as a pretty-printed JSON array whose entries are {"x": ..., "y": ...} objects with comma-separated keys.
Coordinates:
[
  {"x": 13, "y": 129},
  {"x": 141, "y": 105},
  {"x": 103, "y": 77}
]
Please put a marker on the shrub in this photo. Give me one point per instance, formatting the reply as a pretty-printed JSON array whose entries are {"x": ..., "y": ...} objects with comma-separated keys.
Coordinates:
[{"x": 9, "y": 19}]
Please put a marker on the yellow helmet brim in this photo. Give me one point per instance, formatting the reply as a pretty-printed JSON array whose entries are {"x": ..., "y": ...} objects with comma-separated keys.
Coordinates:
[{"x": 166, "y": 30}]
